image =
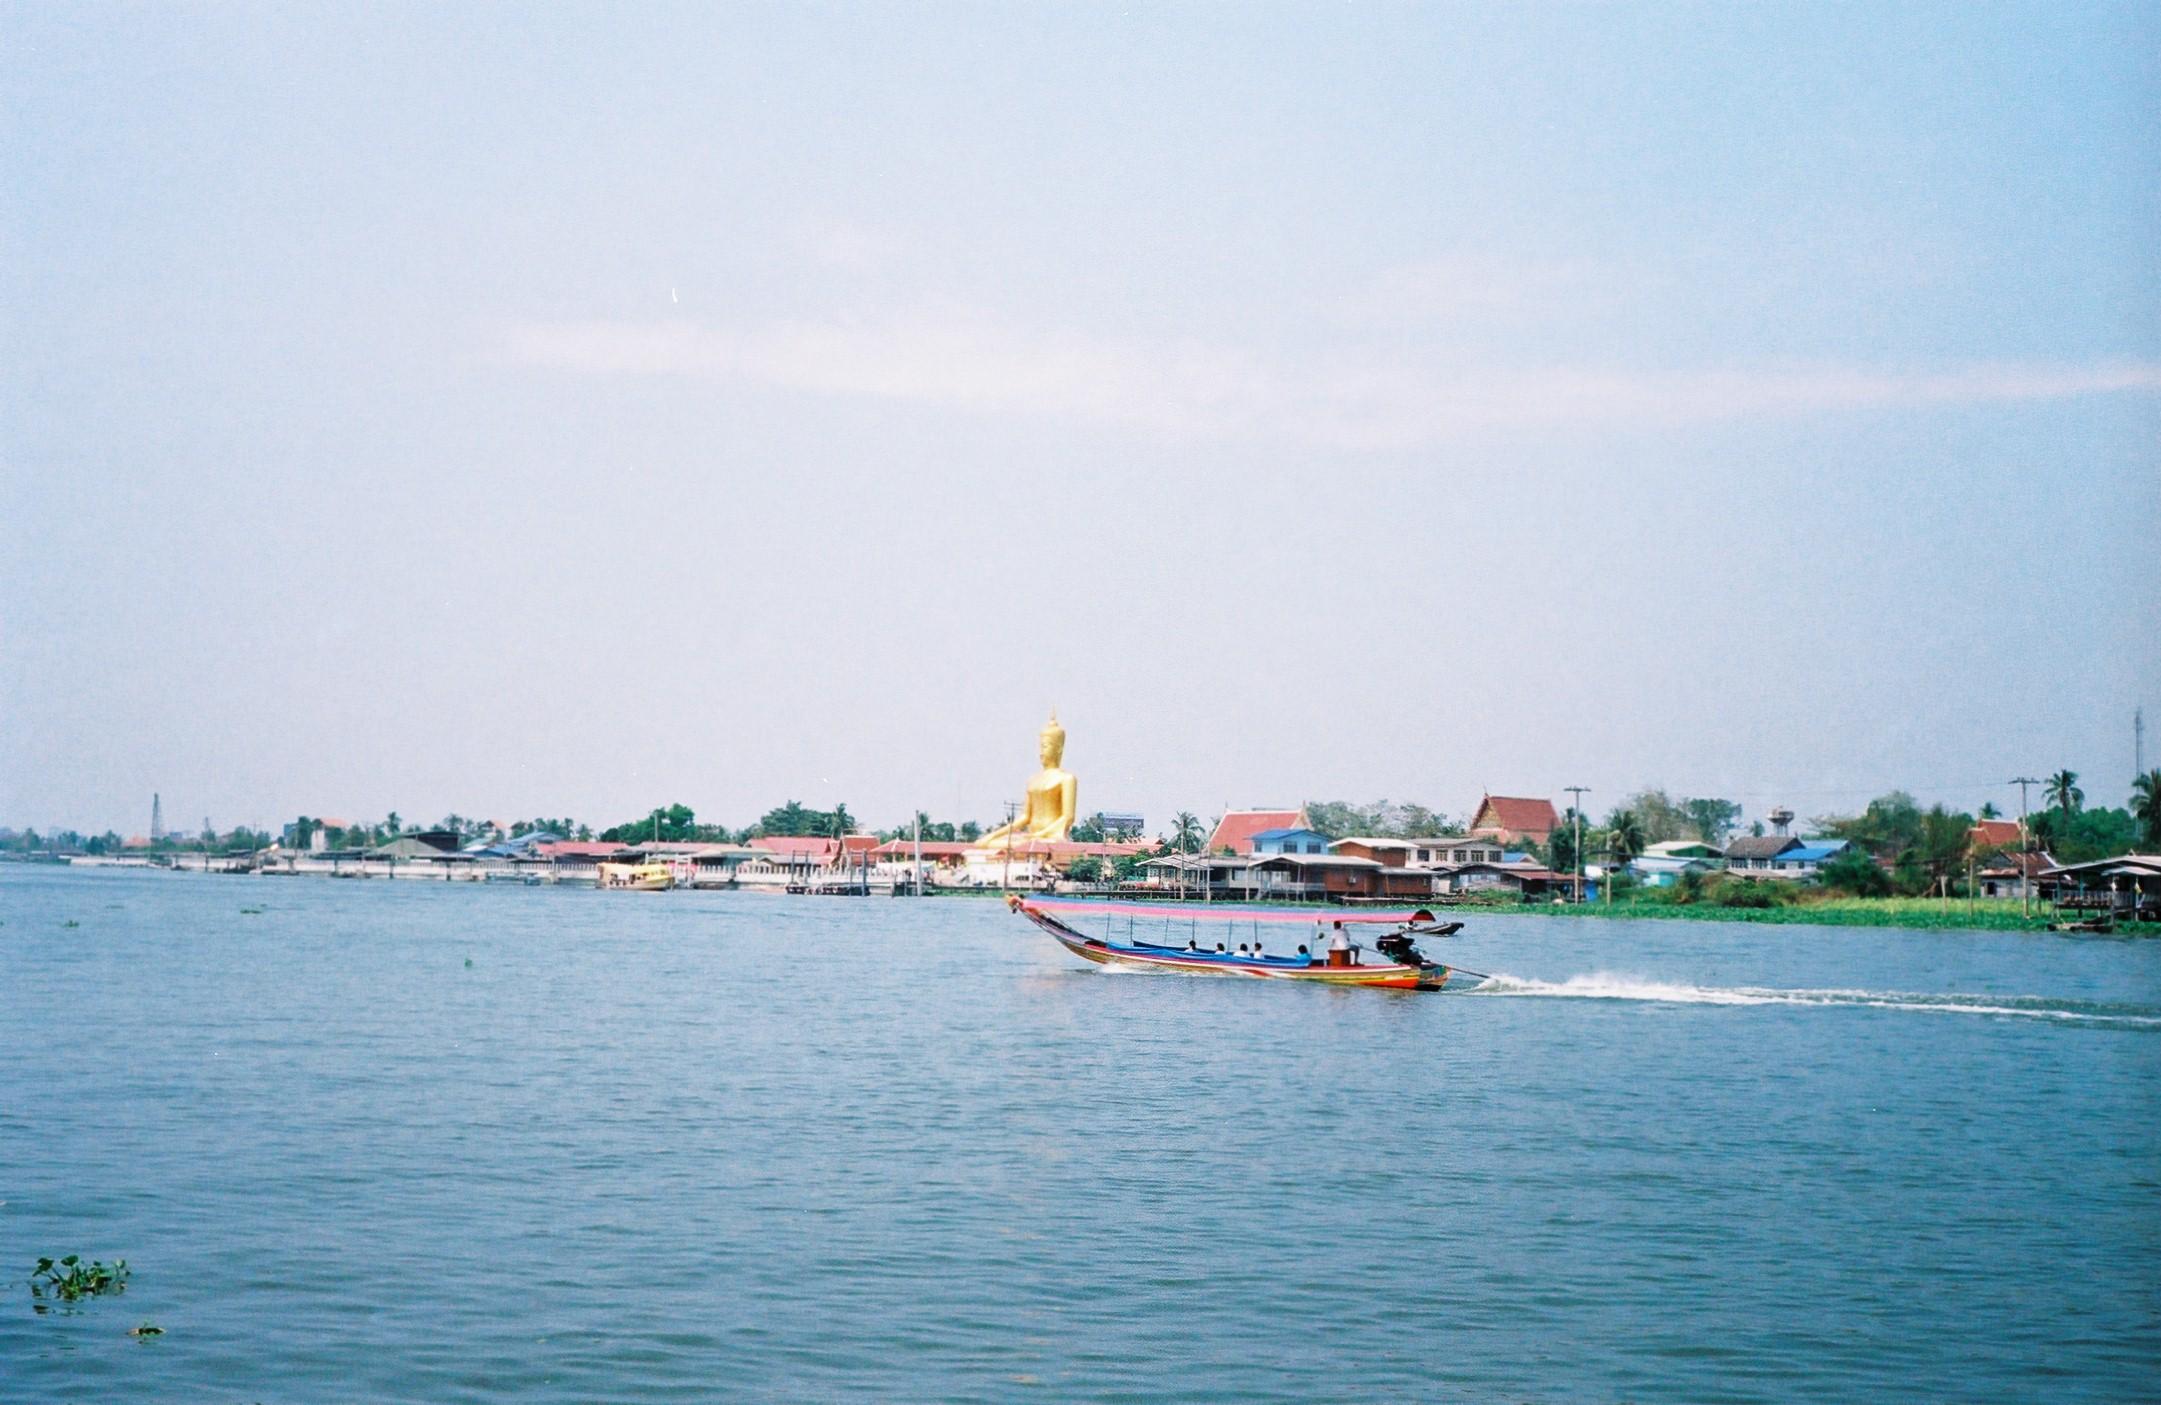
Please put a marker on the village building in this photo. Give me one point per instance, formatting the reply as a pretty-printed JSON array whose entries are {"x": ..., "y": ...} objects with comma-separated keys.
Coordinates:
[
  {"x": 1801, "y": 863},
  {"x": 1448, "y": 852},
  {"x": 1756, "y": 855},
  {"x": 1509, "y": 818},
  {"x": 1684, "y": 849},
  {"x": 574, "y": 860},
  {"x": 1664, "y": 870},
  {"x": 1528, "y": 880},
  {"x": 1234, "y": 832},
  {"x": 1290, "y": 841},
  {"x": 1284, "y": 877},
  {"x": 2125, "y": 888},
  {"x": 2012, "y": 875},
  {"x": 1396, "y": 852},
  {"x": 798, "y": 850}
]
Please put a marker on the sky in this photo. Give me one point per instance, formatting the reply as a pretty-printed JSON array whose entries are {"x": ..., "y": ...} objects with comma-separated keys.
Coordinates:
[{"x": 573, "y": 409}]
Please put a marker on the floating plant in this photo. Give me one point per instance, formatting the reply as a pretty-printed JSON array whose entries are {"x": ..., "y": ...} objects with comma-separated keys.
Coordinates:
[{"x": 71, "y": 1280}]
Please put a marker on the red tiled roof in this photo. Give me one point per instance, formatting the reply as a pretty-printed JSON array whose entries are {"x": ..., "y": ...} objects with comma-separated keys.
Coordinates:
[
  {"x": 1236, "y": 829},
  {"x": 571, "y": 849},
  {"x": 2033, "y": 865},
  {"x": 1993, "y": 834},
  {"x": 796, "y": 845},
  {"x": 1512, "y": 814},
  {"x": 932, "y": 849}
]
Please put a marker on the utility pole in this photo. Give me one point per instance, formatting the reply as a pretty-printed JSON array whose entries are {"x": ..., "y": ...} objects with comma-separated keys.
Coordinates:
[
  {"x": 1005, "y": 883},
  {"x": 1579, "y": 791},
  {"x": 918, "y": 885},
  {"x": 2025, "y": 861},
  {"x": 2138, "y": 741}
]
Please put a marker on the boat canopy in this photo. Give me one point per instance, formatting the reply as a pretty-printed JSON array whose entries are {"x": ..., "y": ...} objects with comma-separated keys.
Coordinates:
[{"x": 1222, "y": 912}]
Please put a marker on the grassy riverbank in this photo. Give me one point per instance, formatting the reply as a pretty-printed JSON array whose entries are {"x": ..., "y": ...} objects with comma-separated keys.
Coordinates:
[{"x": 1992, "y": 914}]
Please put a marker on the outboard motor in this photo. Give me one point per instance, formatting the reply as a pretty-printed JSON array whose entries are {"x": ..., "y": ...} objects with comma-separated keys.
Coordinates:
[{"x": 1401, "y": 949}]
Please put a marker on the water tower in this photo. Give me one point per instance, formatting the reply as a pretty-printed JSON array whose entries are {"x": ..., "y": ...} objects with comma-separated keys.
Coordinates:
[{"x": 1780, "y": 818}]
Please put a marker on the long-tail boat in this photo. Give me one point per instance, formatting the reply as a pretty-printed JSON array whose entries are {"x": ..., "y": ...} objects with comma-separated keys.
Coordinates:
[{"x": 1397, "y": 963}]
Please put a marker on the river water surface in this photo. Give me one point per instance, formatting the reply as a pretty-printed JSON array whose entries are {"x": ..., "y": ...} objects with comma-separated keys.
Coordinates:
[{"x": 403, "y": 1141}]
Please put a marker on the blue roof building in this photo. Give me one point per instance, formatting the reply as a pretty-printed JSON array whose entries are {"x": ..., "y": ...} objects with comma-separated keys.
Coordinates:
[{"x": 1290, "y": 841}]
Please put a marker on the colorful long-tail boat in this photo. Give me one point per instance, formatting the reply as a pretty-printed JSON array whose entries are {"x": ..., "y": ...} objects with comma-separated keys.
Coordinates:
[{"x": 1398, "y": 963}]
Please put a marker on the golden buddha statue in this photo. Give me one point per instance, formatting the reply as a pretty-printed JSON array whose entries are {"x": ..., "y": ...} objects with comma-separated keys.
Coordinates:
[{"x": 1053, "y": 797}]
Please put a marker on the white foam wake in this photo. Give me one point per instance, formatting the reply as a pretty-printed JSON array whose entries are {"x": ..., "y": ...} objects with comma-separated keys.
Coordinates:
[{"x": 1603, "y": 985}]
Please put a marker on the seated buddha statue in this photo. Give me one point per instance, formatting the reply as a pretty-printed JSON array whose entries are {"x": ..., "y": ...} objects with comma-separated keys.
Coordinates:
[{"x": 1053, "y": 797}]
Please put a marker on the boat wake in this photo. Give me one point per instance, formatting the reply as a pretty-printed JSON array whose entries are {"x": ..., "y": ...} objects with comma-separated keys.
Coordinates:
[{"x": 1603, "y": 985}]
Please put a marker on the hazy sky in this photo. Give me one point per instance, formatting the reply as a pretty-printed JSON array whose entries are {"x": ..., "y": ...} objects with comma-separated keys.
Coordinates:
[{"x": 521, "y": 410}]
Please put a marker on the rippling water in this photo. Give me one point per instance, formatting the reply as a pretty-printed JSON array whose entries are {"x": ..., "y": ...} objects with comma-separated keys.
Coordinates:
[{"x": 458, "y": 1143}]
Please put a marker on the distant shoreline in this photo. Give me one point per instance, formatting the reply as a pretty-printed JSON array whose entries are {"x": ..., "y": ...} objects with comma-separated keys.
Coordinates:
[{"x": 1902, "y": 914}]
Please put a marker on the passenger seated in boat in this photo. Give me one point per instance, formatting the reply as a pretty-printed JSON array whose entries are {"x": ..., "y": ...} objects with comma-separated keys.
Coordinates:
[
  {"x": 1219, "y": 948},
  {"x": 1241, "y": 948},
  {"x": 1304, "y": 955},
  {"x": 1256, "y": 948},
  {"x": 1192, "y": 945}
]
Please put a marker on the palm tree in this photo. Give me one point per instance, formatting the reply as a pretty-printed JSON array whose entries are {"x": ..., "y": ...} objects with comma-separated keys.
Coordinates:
[
  {"x": 843, "y": 822},
  {"x": 2146, "y": 804},
  {"x": 1989, "y": 811},
  {"x": 1186, "y": 831},
  {"x": 1624, "y": 840},
  {"x": 2064, "y": 794}
]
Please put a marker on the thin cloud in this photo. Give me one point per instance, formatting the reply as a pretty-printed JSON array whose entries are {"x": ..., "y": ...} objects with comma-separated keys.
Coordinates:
[
  {"x": 1346, "y": 399},
  {"x": 1456, "y": 289}
]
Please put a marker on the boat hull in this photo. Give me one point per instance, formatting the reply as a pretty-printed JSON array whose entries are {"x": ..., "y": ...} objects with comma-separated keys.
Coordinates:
[{"x": 1203, "y": 963}]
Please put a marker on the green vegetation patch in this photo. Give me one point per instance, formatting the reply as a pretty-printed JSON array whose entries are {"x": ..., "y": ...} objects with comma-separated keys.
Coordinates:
[{"x": 71, "y": 1280}]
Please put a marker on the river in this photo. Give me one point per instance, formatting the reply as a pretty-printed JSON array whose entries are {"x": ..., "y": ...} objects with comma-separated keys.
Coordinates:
[{"x": 399, "y": 1141}]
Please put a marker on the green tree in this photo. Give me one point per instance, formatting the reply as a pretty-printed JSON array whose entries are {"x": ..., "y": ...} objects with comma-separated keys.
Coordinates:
[
  {"x": 1890, "y": 825},
  {"x": 1186, "y": 832},
  {"x": 843, "y": 823},
  {"x": 1418, "y": 822},
  {"x": 1336, "y": 818},
  {"x": 1939, "y": 849},
  {"x": 1852, "y": 871},
  {"x": 1561, "y": 844},
  {"x": 1989, "y": 811},
  {"x": 1713, "y": 820},
  {"x": 1340, "y": 819},
  {"x": 783, "y": 820},
  {"x": 2146, "y": 806},
  {"x": 2086, "y": 835},
  {"x": 1085, "y": 870},
  {"x": 1624, "y": 837},
  {"x": 1658, "y": 817},
  {"x": 1089, "y": 831},
  {"x": 970, "y": 831},
  {"x": 2063, "y": 792}
]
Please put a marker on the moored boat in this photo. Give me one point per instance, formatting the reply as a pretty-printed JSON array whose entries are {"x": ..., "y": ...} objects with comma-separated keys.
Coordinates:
[
  {"x": 1396, "y": 964},
  {"x": 637, "y": 877}
]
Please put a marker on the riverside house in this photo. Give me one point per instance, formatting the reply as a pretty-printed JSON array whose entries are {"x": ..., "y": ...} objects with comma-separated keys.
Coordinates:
[{"x": 1756, "y": 855}]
